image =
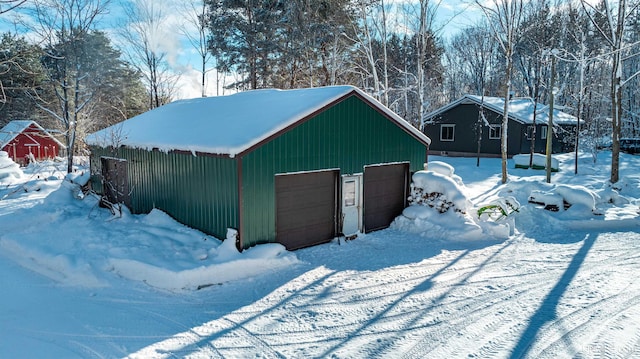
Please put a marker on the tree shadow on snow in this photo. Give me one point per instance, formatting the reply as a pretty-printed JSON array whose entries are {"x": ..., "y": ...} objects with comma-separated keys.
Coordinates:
[
  {"x": 547, "y": 312},
  {"x": 384, "y": 249},
  {"x": 317, "y": 276},
  {"x": 413, "y": 318}
]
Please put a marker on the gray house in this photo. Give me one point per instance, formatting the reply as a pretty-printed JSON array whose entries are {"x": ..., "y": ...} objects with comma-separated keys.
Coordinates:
[
  {"x": 298, "y": 167},
  {"x": 454, "y": 128}
]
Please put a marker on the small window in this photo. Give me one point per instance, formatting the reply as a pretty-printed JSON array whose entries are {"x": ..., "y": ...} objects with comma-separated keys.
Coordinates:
[
  {"x": 494, "y": 132},
  {"x": 349, "y": 192},
  {"x": 447, "y": 132},
  {"x": 543, "y": 132}
]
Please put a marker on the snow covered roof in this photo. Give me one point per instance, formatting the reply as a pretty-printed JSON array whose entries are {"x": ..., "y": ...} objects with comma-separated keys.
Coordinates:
[
  {"x": 16, "y": 127},
  {"x": 520, "y": 109},
  {"x": 229, "y": 124}
]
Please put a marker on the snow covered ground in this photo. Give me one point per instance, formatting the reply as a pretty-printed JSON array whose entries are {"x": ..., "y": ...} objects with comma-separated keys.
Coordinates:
[{"x": 78, "y": 282}]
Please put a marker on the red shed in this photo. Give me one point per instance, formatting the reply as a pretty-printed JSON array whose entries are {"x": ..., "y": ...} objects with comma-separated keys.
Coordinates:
[{"x": 22, "y": 138}]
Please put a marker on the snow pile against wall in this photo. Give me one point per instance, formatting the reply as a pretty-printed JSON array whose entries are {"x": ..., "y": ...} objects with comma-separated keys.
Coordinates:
[
  {"x": 8, "y": 169},
  {"x": 439, "y": 191},
  {"x": 438, "y": 206}
]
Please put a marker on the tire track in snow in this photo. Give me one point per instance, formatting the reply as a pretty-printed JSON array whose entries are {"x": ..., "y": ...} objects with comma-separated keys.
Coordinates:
[
  {"x": 579, "y": 325},
  {"x": 593, "y": 279},
  {"x": 263, "y": 348},
  {"x": 474, "y": 322},
  {"x": 402, "y": 321},
  {"x": 182, "y": 343},
  {"x": 497, "y": 331}
]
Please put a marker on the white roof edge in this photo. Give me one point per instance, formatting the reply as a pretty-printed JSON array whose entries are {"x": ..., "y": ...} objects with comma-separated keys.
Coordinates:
[
  {"x": 26, "y": 125},
  {"x": 292, "y": 121},
  {"x": 232, "y": 150},
  {"x": 399, "y": 120},
  {"x": 477, "y": 99}
]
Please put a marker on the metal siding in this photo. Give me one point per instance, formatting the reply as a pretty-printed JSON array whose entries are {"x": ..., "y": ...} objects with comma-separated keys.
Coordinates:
[
  {"x": 199, "y": 191},
  {"x": 347, "y": 136}
]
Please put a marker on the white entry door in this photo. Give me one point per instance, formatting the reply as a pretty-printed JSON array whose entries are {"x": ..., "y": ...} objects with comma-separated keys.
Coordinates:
[{"x": 351, "y": 204}]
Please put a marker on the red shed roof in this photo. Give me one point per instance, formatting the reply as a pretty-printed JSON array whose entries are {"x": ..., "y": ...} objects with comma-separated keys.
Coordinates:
[{"x": 16, "y": 127}]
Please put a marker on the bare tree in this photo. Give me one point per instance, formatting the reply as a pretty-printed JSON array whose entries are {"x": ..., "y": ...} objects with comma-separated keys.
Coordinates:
[
  {"x": 365, "y": 38},
  {"x": 612, "y": 29},
  {"x": 504, "y": 17},
  {"x": 424, "y": 43},
  {"x": 582, "y": 58},
  {"x": 474, "y": 50},
  {"x": 61, "y": 26},
  {"x": 195, "y": 30},
  {"x": 8, "y": 5},
  {"x": 143, "y": 35}
]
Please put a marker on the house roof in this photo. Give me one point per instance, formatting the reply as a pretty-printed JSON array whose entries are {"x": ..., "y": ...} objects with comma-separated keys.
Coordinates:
[
  {"x": 16, "y": 127},
  {"x": 520, "y": 109},
  {"x": 229, "y": 124}
]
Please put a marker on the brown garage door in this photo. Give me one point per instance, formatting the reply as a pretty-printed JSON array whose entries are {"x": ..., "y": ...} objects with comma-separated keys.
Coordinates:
[
  {"x": 384, "y": 194},
  {"x": 306, "y": 207}
]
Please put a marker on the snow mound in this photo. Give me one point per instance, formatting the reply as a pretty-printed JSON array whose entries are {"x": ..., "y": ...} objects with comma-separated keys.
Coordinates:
[
  {"x": 539, "y": 161},
  {"x": 427, "y": 183},
  {"x": 439, "y": 208},
  {"x": 444, "y": 169},
  {"x": 60, "y": 267},
  {"x": 578, "y": 195},
  {"x": 228, "y": 267},
  {"x": 8, "y": 169},
  {"x": 441, "y": 167},
  {"x": 80, "y": 178},
  {"x": 429, "y": 222},
  {"x": 564, "y": 197},
  {"x": 610, "y": 195}
]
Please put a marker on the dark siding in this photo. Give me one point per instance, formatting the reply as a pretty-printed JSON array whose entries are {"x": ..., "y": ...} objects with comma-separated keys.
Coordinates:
[
  {"x": 306, "y": 208},
  {"x": 465, "y": 118},
  {"x": 515, "y": 139},
  {"x": 347, "y": 136},
  {"x": 385, "y": 194},
  {"x": 199, "y": 191},
  {"x": 563, "y": 142}
]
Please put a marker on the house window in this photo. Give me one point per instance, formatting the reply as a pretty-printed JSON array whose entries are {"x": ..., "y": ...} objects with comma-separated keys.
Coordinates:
[
  {"x": 530, "y": 132},
  {"x": 494, "y": 132},
  {"x": 447, "y": 132},
  {"x": 543, "y": 132}
]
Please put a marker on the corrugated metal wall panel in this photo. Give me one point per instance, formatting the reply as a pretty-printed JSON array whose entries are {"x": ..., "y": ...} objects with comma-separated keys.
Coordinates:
[
  {"x": 348, "y": 136},
  {"x": 199, "y": 191}
]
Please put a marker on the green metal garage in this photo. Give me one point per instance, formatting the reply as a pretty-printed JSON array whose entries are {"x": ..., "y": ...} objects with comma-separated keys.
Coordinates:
[{"x": 298, "y": 167}]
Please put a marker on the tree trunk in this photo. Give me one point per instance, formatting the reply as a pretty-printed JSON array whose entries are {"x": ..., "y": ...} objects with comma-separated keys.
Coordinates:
[
  {"x": 505, "y": 112},
  {"x": 616, "y": 92},
  {"x": 550, "y": 124}
]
